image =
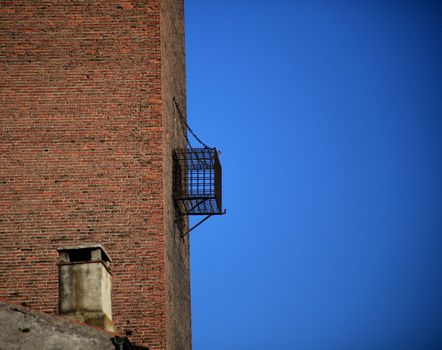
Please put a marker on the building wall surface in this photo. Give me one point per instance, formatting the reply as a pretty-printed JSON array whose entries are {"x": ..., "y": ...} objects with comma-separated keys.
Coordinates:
[
  {"x": 87, "y": 128},
  {"x": 177, "y": 248}
]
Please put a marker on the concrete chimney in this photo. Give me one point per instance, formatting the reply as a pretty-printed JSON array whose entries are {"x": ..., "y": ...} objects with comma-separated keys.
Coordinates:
[{"x": 85, "y": 285}]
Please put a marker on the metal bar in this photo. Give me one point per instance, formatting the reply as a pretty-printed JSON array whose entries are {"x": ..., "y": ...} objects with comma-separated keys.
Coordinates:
[
  {"x": 195, "y": 206},
  {"x": 194, "y": 198},
  {"x": 195, "y": 226},
  {"x": 211, "y": 214}
]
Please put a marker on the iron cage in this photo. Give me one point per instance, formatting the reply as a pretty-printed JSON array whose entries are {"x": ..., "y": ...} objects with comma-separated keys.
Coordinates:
[{"x": 197, "y": 181}]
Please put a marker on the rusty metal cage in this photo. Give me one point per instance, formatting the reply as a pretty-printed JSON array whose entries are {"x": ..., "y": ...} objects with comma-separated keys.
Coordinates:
[{"x": 197, "y": 181}]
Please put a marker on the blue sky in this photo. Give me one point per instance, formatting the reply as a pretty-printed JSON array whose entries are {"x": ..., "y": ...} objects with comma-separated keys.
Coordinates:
[{"x": 328, "y": 117}]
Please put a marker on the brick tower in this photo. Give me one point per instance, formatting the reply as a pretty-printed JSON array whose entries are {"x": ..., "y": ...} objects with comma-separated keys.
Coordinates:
[{"x": 87, "y": 130}]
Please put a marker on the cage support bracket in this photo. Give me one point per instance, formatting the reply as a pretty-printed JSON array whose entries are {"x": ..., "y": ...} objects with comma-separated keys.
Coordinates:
[
  {"x": 195, "y": 226},
  {"x": 200, "y": 222},
  {"x": 195, "y": 206}
]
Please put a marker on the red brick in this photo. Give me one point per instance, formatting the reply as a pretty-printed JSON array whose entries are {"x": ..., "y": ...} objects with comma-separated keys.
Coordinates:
[{"x": 87, "y": 128}]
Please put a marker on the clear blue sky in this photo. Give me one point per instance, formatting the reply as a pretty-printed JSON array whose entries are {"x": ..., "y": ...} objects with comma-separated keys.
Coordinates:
[{"x": 328, "y": 116}]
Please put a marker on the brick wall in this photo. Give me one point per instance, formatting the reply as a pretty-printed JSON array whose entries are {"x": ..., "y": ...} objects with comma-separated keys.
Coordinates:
[
  {"x": 87, "y": 126},
  {"x": 177, "y": 249}
]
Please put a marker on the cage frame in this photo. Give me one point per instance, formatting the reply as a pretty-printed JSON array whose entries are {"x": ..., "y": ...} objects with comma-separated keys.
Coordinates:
[{"x": 197, "y": 183}]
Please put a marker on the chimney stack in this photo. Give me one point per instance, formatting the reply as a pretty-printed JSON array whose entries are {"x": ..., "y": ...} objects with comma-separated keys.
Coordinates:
[{"x": 85, "y": 285}]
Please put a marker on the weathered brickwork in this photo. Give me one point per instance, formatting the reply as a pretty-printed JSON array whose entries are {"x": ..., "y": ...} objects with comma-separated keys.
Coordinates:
[
  {"x": 87, "y": 128},
  {"x": 177, "y": 249}
]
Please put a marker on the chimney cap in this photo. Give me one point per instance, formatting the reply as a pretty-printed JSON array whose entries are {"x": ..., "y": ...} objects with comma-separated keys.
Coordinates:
[{"x": 105, "y": 255}]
